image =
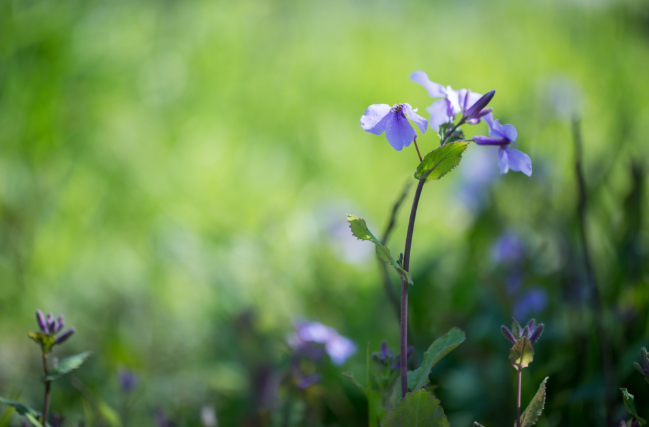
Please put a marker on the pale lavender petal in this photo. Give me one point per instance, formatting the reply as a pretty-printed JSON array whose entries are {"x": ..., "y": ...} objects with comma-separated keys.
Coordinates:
[
  {"x": 510, "y": 132},
  {"x": 438, "y": 114},
  {"x": 453, "y": 97},
  {"x": 502, "y": 160},
  {"x": 489, "y": 118},
  {"x": 496, "y": 130},
  {"x": 375, "y": 118},
  {"x": 421, "y": 123},
  {"x": 399, "y": 132},
  {"x": 340, "y": 349},
  {"x": 435, "y": 90},
  {"x": 315, "y": 332},
  {"x": 519, "y": 161}
]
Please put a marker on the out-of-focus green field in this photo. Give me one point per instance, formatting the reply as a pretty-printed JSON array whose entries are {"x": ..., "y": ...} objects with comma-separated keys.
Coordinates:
[{"x": 167, "y": 167}]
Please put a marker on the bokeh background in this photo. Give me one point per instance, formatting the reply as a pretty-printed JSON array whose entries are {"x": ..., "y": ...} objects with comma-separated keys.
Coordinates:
[{"x": 175, "y": 175}]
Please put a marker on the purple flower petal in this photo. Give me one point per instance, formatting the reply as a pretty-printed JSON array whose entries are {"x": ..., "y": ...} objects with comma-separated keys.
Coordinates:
[
  {"x": 519, "y": 161},
  {"x": 438, "y": 114},
  {"x": 399, "y": 131},
  {"x": 454, "y": 98},
  {"x": 503, "y": 162},
  {"x": 485, "y": 140},
  {"x": 435, "y": 90},
  {"x": 340, "y": 349},
  {"x": 421, "y": 123},
  {"x": 376, "y": 118}
]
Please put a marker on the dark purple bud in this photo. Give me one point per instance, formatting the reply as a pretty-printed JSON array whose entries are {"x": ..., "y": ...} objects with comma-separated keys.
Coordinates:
[
  {"x": 526, "y": 333},
  {"x": 537, "y": 333},
  {"x": 64, "y": 336},
  {"x": 24, "y": 424},
  {"x": 636, "y": 424},
  {"x": 42, "y": 325},
  {"x": 531, "y": 324},
  {"x": 643, "y": 356},
  {"x": 519, "y": 331},
  {"x": 479, "y": 105},
  {"x": 384, "y": 348},
  {"x": 50, "y": 321},
  {"x": 60, "y": 323},
  {"x": 397, "y": 358},
  {"x": 508, "y": 334},
  {"x": 127, "y": 381},
  {"x": 484, "y": 112},
  {"x": 466, "y": 100}
]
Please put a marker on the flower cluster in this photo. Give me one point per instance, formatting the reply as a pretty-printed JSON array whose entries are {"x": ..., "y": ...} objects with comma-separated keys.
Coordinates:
[
  {"x": 380, "y": 118},
  {"x": 49, "y": 328},
  {"x": 385, "y": 358},
  {"x": 531, "y": 331},
  {"x": 309, "y": 339}
]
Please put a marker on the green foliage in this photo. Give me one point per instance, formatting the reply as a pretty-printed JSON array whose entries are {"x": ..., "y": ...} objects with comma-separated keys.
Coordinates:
[
  {"x": 535, "y": 407},
  {"x": 67, "y": 365},
  {"x": 521, "y": 354},
  {"x": 630, "y": 406},
  {"x": 441, "y": 161},
  {"x": 438, "y": 349},
  {"x": 457, "y": 134},
  {"x": 45, "y": 341},
  {"x": 376, "y": 411},
  {"x": 362, "y": 232},
  {"x": 24, "y": 410},
  {"x": 417, "y": 409}
]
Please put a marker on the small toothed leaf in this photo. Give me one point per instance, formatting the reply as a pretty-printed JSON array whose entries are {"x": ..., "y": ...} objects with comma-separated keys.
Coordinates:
[
  {"x": 630, "y": 406},
  {"x": 361, "y": 231},
  {"x": 441, "y": 161},
  {"x": 417, "y": 409},
  {"x": 66, "y": 365},
  {"x": 535, "y": 407},
  {"x": 521, "y": 354}
]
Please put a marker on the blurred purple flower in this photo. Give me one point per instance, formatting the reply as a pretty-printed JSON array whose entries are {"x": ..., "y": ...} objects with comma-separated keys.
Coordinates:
[
  {"x": 379, "y": 118},
  {"x": 127, "y": 380},
  {"x": 308, "y": 380},
  {"x": 533, "y": 301},
  {"x": 338, "y": 347},
  {"x": 208, "y": 416},
  {"x": 476, "y": 178},
  {"x": 508, "y": 248},
  {"x": 453, "y": 102},
  {"x": 503, "y": 136}
]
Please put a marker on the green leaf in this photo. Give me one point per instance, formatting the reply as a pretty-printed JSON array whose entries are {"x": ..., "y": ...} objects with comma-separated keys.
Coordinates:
[
  {"x": 24, "y": 410},
  {"x": 438, "y": 349},
  {"x": 441, "y": 161},
  {"x": 445, "y": 128},
  {"x": 376, "y": 411},
  {"x": 417, "y": 409},
  {"x": 521, "y": 354},
  {"x": 630, "y": 406},
  {"x": 535, "y": 407},
  {"x": 67, "y": 365},
  {"x": 360, "y": 231}
]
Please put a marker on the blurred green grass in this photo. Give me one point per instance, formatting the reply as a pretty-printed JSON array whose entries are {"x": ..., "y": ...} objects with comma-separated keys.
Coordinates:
[{"x": 165, "y": 166}]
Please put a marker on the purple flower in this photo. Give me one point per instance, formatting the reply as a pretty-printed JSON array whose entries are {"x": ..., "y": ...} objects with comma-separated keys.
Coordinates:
[
  {"x": 338, "y": 347},
  {"x": 64, "y": 336},
  {"x": 453, "y": 102},
  {"x": 308, "y": 380},
  {"x": 502, "y": 136},
  {"x": 42, "y": 324},
  {"x": 533, "y": 301},
  {"x": 379, "y": 118},
  {"x": 127, "y": 381}
]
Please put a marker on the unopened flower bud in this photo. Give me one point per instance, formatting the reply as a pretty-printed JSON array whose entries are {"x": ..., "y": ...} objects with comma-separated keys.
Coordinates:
[
  {"x": 479, "y": 104},
  {"x": 643, "y": 357},
  {"x": 531, "y": 324},
  {"x": 60, "y": 322},
  {"x": 537, "y": 333},
  {"x": 508, "y": 334},
  {"x": 64, "y": 336},
  {"x": 639, "y": 368},
  {"x": 42, "y": 325},
  {"x": 526, "y": 333},
  {"x": 636, "y": 424}
]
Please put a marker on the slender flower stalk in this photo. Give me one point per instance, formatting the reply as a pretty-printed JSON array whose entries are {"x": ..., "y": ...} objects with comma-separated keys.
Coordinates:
[{"x": 518, "y": 398}]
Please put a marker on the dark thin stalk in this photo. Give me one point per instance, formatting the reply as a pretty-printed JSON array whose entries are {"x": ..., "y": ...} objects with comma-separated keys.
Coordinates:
[
  {"x": 418, "y": 153},
  {"x": 404, "y": 291},
  {"x": 582, "y": 203},
  {"x": 46, "y": 400},
  {"x": 518, "y": 398}
]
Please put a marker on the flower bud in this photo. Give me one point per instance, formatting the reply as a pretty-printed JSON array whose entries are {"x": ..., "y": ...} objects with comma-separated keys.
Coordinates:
[
  {"x": 64, "y": 336},
  {"x": 531, "y": 324},
  {"x": 60, "y": 323},
  {"x": 636, "y": 424},
  {"x": 508, "y": 334},
  {"x": 537, "y": 333},
  {"x": 42, "y": 325},
  {"x": 639, "y": 368},
  {"x": 479, "y": 105},
  {"x": 526, "y": 333},
  {"x": 643, "y": 356}
]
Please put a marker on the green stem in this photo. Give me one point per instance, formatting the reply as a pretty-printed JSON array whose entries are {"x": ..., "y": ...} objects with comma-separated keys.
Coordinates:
[{"x": 46, "y": 400}]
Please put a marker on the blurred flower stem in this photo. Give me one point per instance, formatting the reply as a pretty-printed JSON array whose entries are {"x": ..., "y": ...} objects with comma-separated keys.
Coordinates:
[
  {"x": 518, "y": 398},
  {"x": 582, "y": 205},
  {"x": 48, "y": 384}
]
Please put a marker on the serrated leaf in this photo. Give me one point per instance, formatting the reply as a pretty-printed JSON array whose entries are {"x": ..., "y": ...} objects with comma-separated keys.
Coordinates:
[
  {"x": 441, "y": 161},
  {"x": 66, "y": 365},
  {"x": 361, "y": 231},
  {"x": 417, "y": 409},
  {"x": 438, "y": 349},
  {"x": 521, "y": 354},
  {"x": 630, "y": 406},
  {"x": 535, "y": 407},
  {"x": 20, "y": 408}
]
